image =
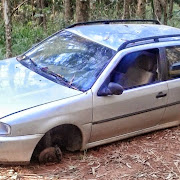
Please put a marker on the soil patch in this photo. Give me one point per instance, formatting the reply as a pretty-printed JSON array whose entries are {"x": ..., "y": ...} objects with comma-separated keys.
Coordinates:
[{"x": 152, "y": 156}]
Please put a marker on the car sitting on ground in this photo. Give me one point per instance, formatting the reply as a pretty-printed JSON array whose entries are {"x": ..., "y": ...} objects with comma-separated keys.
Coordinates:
[{"x": 89, "y": 84}]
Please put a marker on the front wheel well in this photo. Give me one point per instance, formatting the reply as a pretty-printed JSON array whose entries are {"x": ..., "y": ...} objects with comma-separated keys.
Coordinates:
[{"x": 66, "y": 136}]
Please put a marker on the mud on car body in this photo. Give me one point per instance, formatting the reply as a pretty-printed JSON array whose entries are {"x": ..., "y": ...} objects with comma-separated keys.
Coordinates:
[{"x": 89, "y": 84}]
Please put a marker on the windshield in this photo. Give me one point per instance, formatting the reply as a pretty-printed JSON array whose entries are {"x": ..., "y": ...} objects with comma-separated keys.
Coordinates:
[{"x": 75, "y": 59}]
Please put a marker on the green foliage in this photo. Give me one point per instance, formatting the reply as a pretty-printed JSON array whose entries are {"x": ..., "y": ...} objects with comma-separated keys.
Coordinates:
[
  {"x": 175, "y": 20},
  {"x": 2, "y": 41},
  {"x": 103, "y": 11},
  {"x": 177, "y": 1},
  {"x": 25, "y": 35},
  {"x": 27, "y": 31}
]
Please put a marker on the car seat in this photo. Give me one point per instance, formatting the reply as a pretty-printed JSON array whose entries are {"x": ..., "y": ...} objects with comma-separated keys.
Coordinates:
[{"x": 142, "y": 71}]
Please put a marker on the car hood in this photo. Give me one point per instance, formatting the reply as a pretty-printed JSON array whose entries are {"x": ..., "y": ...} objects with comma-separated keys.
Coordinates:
[{"x": 21, "y": 88}]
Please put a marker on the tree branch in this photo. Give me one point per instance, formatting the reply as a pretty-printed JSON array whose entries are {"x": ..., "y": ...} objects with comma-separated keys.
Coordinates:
[{"x": 15, "y": 9}]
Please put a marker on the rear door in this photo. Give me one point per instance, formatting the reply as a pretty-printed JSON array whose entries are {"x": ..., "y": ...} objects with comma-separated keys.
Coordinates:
[
  {"x": 137, "y": 109},
  {"x": 172, "y": 114}
]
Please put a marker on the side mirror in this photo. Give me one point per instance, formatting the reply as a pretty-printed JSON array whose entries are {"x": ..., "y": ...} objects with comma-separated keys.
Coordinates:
[
  {"x": 115, "y": 88},
  {"x": 112, "y": 89}
]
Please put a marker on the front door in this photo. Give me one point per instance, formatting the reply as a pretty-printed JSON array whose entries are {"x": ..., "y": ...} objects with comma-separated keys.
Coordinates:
[{"x": 142, "y": 103}]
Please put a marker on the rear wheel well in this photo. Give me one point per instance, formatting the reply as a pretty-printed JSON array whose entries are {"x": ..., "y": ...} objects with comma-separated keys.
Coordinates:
[{"x": 66, "y": 136}]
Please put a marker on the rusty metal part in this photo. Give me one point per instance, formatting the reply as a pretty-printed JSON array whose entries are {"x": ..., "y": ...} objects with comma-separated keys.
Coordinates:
[{"x": 50, "y": 154}]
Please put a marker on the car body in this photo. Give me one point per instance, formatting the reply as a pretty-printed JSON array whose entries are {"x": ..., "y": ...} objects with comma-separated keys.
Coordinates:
[{"x": 104, "y": 91}]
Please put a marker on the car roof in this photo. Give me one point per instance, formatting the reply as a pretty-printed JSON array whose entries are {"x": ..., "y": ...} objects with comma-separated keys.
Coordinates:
[{"x": 114, "y": 35}]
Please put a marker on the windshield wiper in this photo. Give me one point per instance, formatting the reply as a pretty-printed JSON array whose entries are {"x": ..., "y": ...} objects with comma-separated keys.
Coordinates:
[
  {"x": 32, "y": 65},
  {"x": 59, "y": 78}
]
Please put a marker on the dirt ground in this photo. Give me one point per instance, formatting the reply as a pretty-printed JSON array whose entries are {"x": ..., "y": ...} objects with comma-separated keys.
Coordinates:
[{"x": 151, "y": 156}]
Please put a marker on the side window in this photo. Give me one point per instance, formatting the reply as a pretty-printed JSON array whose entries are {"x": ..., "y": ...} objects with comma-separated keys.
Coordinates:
[
  {"x": 137, "y": 69},
  {"x": 173, "y": 59}
]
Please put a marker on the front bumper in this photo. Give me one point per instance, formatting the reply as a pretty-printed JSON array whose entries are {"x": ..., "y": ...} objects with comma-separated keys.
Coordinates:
[{"x": 19, "y": 149}]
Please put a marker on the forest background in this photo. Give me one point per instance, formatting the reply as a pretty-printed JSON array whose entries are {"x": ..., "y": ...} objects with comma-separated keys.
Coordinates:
[{"x": 26, "y": 22}]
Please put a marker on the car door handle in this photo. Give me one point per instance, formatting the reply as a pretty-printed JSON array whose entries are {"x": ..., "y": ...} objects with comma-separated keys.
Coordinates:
[{"x": 161, "y": 94}]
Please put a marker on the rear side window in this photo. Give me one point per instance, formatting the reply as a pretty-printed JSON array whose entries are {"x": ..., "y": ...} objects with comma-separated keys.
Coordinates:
[{"x": 173, "y": 59}]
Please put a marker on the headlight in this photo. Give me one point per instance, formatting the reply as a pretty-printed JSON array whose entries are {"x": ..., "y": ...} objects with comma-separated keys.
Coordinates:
[{"x": 4, "y": 129}]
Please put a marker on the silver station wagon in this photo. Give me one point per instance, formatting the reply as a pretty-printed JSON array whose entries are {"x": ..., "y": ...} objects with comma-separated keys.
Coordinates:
[{"x": 89, "y": 84}]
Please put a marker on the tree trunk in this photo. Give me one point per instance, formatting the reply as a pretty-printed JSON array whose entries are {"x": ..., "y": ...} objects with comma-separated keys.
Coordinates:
[
  {"x": 160, "y": 8},
  {"x": 126, "y": 12},
  {"x": 42, "y": 18},
  {"x": 53, "y": 9},
  {"x": 171, "y": 2},
  {"x": 133, "y": 7},
  {"x": 141, "y": 9},
  {"x": 119, "y": 7},
  {"x": 82, "y": 10},
  {"x": 157, "y": 9},
  {"x": 33, "y": 11},
  {"x": 8, "y": 26},
  {"x": 68, "y": 10},
  {"x": 44, "y": 15},
  {"x": 92, "y": 8},
  {"x": 152, "y": 7},
  {"x": 164, "y": 6}
]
